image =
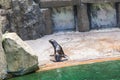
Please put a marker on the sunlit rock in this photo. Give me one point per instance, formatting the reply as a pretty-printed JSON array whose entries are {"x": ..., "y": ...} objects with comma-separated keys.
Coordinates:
[
  {"x": 5, "y": 4},
  {"x": 3, "y": 64},
  {"x": 21, "y": 58},
  {"x": 25, "y": 19}
]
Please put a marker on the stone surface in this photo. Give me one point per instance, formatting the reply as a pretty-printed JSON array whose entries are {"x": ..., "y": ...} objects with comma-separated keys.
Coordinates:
[
  {"x": 103, "y": 15},
  {"x": 98, "y": 1},
  {"x": 4, "y": 21},
  {"x": 57, "y": 3},
  {"x": 118, "y": 14},
  {"x": 37, "y": 1},
  {"x": 63, "y": 18},
  {"x": 3, "y": 64},
  {"x": 25, "y": 19},
  {"x": 47, "y": 18},
  {"x": 5, "y": 4},
  {"x": 79, "y": 46},
  {"x": 83, "y": 21},
  {"x": 20, "y": 57}
]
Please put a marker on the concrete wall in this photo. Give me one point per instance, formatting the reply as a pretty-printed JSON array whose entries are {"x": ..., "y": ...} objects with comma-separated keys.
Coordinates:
[
  {"x": 118, "y": 7},
  {"x": 63, "y": 18},
  {"x": 3, "y": 64},
  {"x": 57, "y": 3},
  {"x": 103, "y": 15},
  {"x": 85, "y": 20},
  {"x": 32, "y": 19},
  {"x": 98, "y": 1}
]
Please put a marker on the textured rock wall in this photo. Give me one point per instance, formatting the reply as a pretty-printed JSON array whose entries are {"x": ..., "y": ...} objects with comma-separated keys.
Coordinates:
[
  {"x": 3, "y": 64},
  {"x": 25, "y": 19},
  {"x": 6, "y": 4},
  {"x": 21, "y": 59}
]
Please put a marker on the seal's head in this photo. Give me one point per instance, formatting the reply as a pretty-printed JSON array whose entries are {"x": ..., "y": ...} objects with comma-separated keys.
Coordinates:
[{"x": 52, "y": 41}]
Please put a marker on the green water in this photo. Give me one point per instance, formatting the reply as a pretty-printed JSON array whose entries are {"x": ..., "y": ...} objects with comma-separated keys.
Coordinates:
[{"x": 98, "y": 71}]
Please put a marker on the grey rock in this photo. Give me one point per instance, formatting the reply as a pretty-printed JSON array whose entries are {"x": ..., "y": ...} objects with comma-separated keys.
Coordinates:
[
  {"x": 25, "y": 19},
  {"x": 4, "y": 23},
  {"x": 21, "y": 59},
  {"x": 5, "y": 4},
  {"x": 47, "y": 18},
  {"x": 3, "y": 64}
]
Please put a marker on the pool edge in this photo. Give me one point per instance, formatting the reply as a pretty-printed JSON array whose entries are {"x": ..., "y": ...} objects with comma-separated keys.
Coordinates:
[{"x": 73, "y": 63}]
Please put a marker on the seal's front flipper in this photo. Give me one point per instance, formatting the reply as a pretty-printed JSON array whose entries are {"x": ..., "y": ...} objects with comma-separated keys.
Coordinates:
[{"x": 52, "y": 55}]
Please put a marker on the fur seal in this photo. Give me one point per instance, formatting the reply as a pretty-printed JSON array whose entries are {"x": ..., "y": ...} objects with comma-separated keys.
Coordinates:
[{"x": 58, "y": 51}]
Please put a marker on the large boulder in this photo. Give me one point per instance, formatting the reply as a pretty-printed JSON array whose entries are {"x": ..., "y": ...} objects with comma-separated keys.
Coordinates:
[
  {"x": 25, "y": 18},
  {"x": 21, "y": 59},
  {"x": 3, "y": 20},
  {"x": 5, "y": 4},
  {"x": 3, "y": 64}
]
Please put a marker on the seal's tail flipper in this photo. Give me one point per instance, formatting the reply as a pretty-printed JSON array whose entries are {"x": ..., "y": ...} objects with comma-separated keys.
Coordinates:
[{"x": 66, "y": 56}]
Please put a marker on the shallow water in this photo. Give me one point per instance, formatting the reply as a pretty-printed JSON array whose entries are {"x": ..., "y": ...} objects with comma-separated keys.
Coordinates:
[{"x": 98, "y": 71}]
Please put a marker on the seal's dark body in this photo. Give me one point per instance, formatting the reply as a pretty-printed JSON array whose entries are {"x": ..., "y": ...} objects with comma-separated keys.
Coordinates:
[{"x": 58, "y": 51}]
